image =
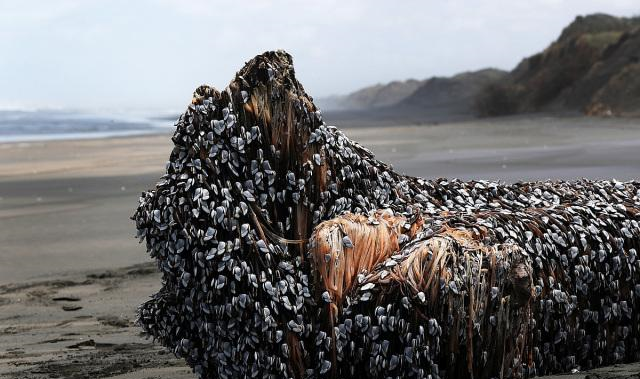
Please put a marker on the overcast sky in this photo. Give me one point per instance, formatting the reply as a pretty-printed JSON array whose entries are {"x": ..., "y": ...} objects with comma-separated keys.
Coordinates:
[{"x": 138, "y": 54}]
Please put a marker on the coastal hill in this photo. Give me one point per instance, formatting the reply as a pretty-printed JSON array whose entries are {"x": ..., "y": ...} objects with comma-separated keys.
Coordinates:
[
  {"x": 454, "y": 94},
  {"x": 379, "y": 95},
  {"x": 593, "y": 68},
  {"x": 433, "y": 99}
]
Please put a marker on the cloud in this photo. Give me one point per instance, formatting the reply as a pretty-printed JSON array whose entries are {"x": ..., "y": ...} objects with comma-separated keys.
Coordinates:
[{"x": 151, "y": 54}]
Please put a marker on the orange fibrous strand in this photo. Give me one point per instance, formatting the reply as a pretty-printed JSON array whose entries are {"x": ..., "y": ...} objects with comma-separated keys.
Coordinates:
[{"x": 373, "y": 239}]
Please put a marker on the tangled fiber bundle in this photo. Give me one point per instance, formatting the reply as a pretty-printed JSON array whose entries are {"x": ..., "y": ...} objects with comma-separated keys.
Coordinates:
[{"x": 288, "y": 250}]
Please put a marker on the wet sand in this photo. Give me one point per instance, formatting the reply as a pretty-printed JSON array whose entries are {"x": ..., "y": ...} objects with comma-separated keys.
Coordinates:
[
  {"x": 72, "y": 274},
  {"x": 82, "y": 326},
  {"x": 511, "y": 149},
  {"x": 65, "y": 205}
]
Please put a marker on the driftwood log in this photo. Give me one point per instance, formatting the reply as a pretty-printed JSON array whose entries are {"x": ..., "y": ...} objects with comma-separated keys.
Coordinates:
[{"x": 287, "y": 250}]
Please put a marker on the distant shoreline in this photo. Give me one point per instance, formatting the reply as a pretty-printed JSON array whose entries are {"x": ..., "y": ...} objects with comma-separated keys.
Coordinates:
[
  {"x": 344, "y": 120},
  {"x": 27, "y": 138},
  {"x": 52, "y": 125},
  {"x": 383, "y": 117}
]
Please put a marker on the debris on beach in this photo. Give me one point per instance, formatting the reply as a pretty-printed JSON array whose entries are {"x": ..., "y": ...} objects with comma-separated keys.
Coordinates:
[
  {"x": 83, "y": 344},
  {"x": 66, "y": 298},
  {"x": 287, "y": 250},
  {"x": 71, "y": 308}
]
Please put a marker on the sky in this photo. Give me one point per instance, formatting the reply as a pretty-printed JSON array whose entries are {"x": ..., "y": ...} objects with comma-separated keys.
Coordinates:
[{"x": 151, "y": 55}]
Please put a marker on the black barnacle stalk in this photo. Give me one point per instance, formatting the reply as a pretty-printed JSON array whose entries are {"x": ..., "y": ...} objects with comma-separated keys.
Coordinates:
[{"x": 415, "y": 278}]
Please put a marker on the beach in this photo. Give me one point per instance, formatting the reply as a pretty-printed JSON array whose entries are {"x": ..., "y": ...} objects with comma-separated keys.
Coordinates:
[{"x": 72, "y": 272}]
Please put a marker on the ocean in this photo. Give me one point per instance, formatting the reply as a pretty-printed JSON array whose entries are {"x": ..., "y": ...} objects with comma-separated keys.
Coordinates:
[{"x": 39, "y": 125}]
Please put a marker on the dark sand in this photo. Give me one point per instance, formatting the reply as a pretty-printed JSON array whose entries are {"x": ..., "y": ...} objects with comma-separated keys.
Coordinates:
[
  {"x": 65, "y": 229},
  {"x": 81, "y": 326}
]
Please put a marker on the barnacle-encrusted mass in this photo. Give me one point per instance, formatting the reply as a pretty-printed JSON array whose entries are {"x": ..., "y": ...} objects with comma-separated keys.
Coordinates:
[{"x": 287, "y": 250}]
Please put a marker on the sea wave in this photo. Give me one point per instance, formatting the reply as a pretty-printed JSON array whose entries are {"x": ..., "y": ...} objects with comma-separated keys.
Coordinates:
[{"x": 19, "y": 125}]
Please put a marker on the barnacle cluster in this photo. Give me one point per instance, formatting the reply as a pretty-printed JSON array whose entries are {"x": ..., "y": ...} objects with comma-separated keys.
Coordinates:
[{"x": 287, "y": 250}]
